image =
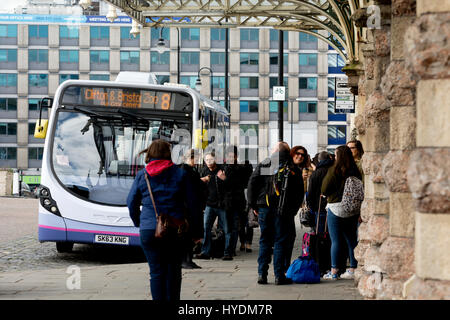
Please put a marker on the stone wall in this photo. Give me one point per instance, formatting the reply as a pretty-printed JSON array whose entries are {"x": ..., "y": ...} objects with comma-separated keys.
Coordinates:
[{"x": 403, "y": 123}]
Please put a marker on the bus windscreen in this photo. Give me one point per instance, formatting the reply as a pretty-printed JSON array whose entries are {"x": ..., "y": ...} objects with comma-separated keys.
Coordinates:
[{"x": 133, "y": 98}]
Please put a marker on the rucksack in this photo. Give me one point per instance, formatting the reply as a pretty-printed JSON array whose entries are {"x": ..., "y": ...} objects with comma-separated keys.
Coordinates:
[
  {"x": 352, "y": 197},
  {"x": 276, "y": 182}
]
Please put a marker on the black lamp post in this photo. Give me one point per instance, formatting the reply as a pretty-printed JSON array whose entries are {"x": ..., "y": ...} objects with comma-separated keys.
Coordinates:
[
  {"x": 198, "y": 82},
  {"x": 161, "y": 46}
]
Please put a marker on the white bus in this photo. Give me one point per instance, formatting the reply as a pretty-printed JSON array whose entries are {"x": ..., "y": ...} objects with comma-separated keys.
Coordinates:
[{"x": 94, "y": 134}]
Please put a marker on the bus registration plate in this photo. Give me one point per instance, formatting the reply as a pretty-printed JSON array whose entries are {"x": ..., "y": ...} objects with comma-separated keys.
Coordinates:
[{"x": 104, "y": 238}]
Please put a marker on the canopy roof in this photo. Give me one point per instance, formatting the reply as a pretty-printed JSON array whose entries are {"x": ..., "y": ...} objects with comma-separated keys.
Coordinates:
[{"x": 307, "y": 16}]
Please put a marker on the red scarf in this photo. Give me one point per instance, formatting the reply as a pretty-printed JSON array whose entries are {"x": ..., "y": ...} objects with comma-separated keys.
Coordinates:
[{"x": 156, "y": 167}]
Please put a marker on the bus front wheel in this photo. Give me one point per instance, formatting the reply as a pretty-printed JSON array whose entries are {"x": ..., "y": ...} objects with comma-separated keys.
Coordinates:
[{"x": 64, "y": 247}]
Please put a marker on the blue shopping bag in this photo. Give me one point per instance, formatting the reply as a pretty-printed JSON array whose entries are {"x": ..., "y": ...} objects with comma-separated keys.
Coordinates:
[{"x": 304, "y": 270}]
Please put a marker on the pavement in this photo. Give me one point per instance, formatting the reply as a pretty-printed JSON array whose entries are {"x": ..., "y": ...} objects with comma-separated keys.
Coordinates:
[{"x": 217, "y": 280}]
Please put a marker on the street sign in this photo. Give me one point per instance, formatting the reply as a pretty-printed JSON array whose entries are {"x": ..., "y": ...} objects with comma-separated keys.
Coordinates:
[
  {"x": 279, "y": 93},
  {"x": 344, "y": 100}
]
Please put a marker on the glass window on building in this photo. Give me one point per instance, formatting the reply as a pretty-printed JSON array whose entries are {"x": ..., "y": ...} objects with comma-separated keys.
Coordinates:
[
  {"x": 69, "y": 32},
  {"x": 218, "y": 34},
  {"x": 8, "y": 55},
  {"x": 37, "y": 55},
  {"x": 8, "y": 129},
  {"x": 273, "y": 81},
  {"x": 33, "y": 104},
  {"x": 131, "y": 57},
  {"x": 251, "y": 34},
  {"x": 159, "y": 58},
  {"x": 331, "y": 84},
  {"x": 273, "y": 59},
  {"x": 7, "y": 153},
  {"x": 38, "y": 80},
  {"x": 188, "y": 80},
  {"x": 99, "y": 33},
  {"x": 337, "y": 134},
  {"x": 305, "y": 37},
  {"x": 68, "y": 56},
  {"x": 307, "y": 106},
  {"x": 8, "y": 31},
  {"x": 99, "y": 56},
  {"x": 190, "y": 57},
  {"x": 274, "y": 33},
  {"x": 249, "y": 58},
  {"x": 102, "y": 77},
  {"x": 308, "y": 83},
  {"x": 38, "y": 31},
  {"x": 217, "y": 58},
  {"x": 125, "y": 33},
  {"x": 335, "y": 63},
  {"x": 332, "y": 116},
  {"x": 218, "y": 82},
  {"x": 8, "y": 104},
  {"x": 248, "y": 82},
  {"x": 308, "y": 59},
  {"x": 35, "y": 153},
  {"x": 8, "y": 80},
  {"x": 155, "y": 33},
  {"x": 64, "y": 77},
  {"x": 190, "y": 34},
  {"x": 248, "y": 106},
  {"x": 273, "y": 106}
]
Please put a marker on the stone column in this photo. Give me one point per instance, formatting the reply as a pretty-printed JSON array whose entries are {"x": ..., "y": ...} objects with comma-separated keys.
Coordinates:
[
  {"x": 427, "y": 47},
  {"x": 372, "y": 124}
]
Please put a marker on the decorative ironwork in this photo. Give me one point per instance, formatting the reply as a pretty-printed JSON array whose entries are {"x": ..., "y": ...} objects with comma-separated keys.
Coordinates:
[{"x": 299, "y": 15}]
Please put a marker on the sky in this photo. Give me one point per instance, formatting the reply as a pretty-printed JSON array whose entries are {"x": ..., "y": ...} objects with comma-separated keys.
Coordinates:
[{"x": 8, "y": 5}]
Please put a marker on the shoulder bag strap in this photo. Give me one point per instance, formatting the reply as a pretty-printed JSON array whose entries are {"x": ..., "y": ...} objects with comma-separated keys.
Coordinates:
[
  {"x": 151, "y": 194},
  {"x": 318, "y": 217}
]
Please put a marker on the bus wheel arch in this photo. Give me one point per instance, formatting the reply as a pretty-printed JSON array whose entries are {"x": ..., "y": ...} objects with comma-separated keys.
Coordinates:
[{"x": 64, "y": 246}]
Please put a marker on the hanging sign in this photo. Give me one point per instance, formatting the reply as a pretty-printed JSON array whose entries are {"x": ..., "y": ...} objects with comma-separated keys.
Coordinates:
[{"x": 344, "y": 100}]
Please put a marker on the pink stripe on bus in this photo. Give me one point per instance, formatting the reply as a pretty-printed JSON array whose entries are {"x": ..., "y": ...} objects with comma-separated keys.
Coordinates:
[{"x": 92, "y": 231}]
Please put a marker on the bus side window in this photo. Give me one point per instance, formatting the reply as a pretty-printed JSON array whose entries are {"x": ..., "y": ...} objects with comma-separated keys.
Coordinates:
[{"x": 40, "y": 130}]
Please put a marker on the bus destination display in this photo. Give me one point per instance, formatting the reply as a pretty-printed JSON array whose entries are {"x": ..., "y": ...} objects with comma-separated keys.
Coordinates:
[{"x": 127, "y": 98}]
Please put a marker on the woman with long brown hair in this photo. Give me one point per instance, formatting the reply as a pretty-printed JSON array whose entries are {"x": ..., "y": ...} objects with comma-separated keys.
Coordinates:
[
  {"x": 173, "y": 195},
  {"x": 342, "y": 228}
]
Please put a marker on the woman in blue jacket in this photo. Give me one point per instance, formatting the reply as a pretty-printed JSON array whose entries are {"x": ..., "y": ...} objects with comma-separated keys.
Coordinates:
[{"x": 172, "y": 192}]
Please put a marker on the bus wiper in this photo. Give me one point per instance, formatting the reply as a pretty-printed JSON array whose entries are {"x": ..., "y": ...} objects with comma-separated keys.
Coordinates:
[
  {"x": 89, "y": 112},
  {"x": 133, "y": 116}
]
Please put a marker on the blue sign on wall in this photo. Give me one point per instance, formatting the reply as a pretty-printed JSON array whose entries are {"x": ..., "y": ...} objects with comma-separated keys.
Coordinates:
[{"x": 62, "y": 19}]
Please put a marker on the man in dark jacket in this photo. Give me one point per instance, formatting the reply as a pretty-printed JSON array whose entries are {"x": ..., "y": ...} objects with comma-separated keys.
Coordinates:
[
  {"x": 276, "y": 223},
  {"x": 195, "y": 231},
  {"x": 233, "y": 175},
  {"x": 315, "y": 183},
  {"x": 214, "y": 204}
]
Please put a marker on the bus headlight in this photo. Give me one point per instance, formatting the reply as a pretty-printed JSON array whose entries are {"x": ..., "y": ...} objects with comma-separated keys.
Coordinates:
[{"x": 47, "y": 202}]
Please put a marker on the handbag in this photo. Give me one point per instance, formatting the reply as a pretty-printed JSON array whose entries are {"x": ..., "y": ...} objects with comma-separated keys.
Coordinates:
[
  {"x": 306, "y": 215},
  {"x": 304, "y": 270},
  {"x": 165, "y": 222}
]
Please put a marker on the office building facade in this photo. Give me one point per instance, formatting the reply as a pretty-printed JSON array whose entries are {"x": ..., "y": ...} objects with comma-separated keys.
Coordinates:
[{"x": 38, "y": 52}]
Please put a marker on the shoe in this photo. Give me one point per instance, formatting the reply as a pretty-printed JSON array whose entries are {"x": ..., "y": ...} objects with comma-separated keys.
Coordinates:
[
  {"x": 282, "y": 281},
  {"x": 242, "y": 248},
  {"x": 227, "y": 258},
  {"x": 202, "y": 256},
  {"x": 248, "y": 250},
  {"x": 331, "y": 276},
  {"x": 190, "y": 265},
  {"x": 348, "y": 275},
  {"x": 262, "y": 279}
]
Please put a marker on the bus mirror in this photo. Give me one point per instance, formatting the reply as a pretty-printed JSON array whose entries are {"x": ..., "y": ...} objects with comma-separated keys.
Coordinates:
[
  {"x": 40, "y": 130},
  {"x": 201, "y": 138},
  {"x": 46, "y": 103}
]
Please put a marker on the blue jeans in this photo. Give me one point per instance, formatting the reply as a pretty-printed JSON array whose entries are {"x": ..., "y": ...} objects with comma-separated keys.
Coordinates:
[
  {"x": 231, "y": 237},
  {"x": 276, "y": 232},
  {"x": 164, "y": 258},
  {"x": 208, "y": 220},
  {"x": 342, "y": 231}
]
